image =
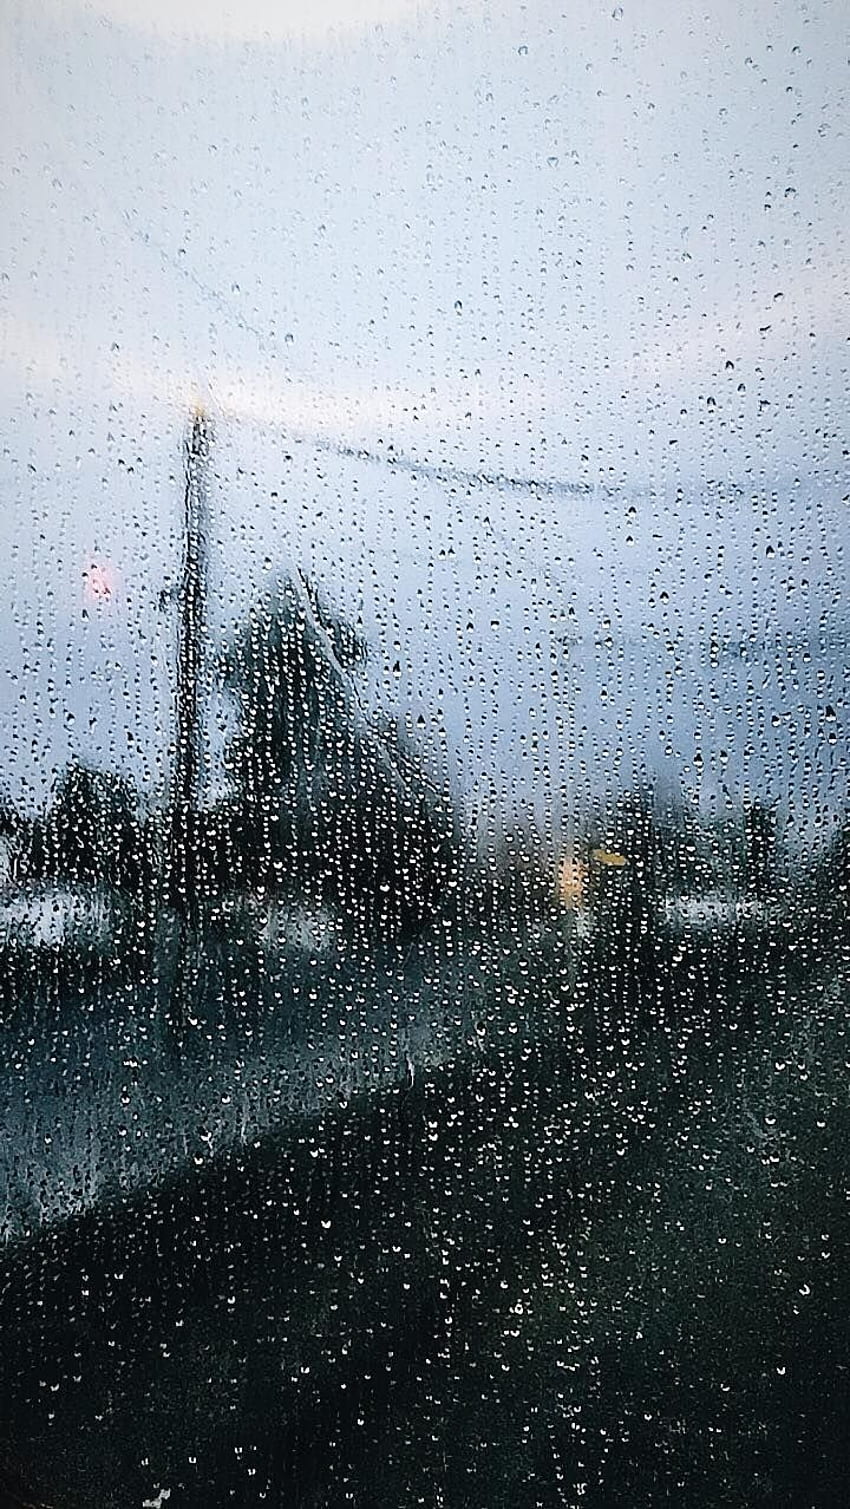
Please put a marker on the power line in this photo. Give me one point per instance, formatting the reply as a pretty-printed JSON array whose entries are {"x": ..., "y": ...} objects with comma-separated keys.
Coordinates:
[
  {"x": 394, "y": 459},
  {"x": 445, "y": 473}
]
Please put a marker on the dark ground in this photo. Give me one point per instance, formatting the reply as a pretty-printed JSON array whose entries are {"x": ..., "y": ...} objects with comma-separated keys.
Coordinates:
[{"x": 599, "y": 1257}]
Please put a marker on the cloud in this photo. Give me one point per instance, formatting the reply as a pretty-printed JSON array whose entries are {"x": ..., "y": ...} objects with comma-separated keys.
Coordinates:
[
  {"x": 252, "y": 20},
  {"x": 761, "y": 328},
  {"x": 342, "y": 410}
]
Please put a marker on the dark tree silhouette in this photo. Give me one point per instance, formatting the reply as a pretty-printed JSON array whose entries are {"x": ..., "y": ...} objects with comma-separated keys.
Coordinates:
[
  {"x": 15, "y": 843},
  {"x": 289, "y": 672},
  {"x": 760, "y": 840},
  {"x": 321, "y": 799},
  {"x": 93, "y": 833}
]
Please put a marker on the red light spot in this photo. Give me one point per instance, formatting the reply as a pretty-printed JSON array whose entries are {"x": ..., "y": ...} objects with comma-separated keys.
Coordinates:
[{"x": 99, "y": 582}]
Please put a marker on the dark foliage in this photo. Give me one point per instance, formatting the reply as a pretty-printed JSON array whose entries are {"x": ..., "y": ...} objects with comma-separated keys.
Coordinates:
[
  {"x": 92, "y": 834},
  {"x": 322, "y": 800}
]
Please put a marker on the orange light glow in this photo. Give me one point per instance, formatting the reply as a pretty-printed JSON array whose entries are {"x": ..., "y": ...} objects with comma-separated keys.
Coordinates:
[
  {"x": 611, "y": 858},
  {"x": 572, "y": 878}
]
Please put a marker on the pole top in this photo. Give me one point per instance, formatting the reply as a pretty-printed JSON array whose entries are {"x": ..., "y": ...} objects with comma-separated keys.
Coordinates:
[{"x": 198, "y": 429}]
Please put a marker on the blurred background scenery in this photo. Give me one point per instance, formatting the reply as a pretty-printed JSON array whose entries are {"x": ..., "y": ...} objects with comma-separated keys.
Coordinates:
[{"x": 424, "y": 824}]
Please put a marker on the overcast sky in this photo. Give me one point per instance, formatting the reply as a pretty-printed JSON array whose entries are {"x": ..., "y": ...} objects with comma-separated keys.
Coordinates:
[{"x": 575, "y": 242}]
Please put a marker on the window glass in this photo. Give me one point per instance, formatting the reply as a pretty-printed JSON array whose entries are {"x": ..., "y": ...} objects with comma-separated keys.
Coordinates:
[{"x": 423, "y": 800}]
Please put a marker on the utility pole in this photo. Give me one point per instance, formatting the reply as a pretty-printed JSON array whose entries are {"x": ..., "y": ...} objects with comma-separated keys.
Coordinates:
[{"x": 183, "y": 837}]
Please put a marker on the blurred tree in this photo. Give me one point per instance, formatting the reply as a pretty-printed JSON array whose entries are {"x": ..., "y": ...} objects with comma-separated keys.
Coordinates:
[
  {"x": 393, "y": 849},
  {"x": 760, "y": 841},
  {"x": 93, "y": 833},
  {"x": 14, "y": 843},
  {"x": 322, "y": 800},
  {"x": 829, "y": 885},
  {"x": 626, "y": 870},
  {"x": 289, "y": 672}
]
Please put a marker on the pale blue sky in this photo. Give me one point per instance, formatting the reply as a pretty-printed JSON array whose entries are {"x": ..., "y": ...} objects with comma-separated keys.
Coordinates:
[{"x": 575, "y": 241}]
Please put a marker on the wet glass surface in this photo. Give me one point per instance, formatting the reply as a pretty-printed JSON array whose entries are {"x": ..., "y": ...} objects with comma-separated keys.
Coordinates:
[{"x": 423, "y": 801}]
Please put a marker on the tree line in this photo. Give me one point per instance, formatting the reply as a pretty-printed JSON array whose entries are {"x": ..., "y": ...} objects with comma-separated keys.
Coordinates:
[{"x": 318, "y": 802}]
